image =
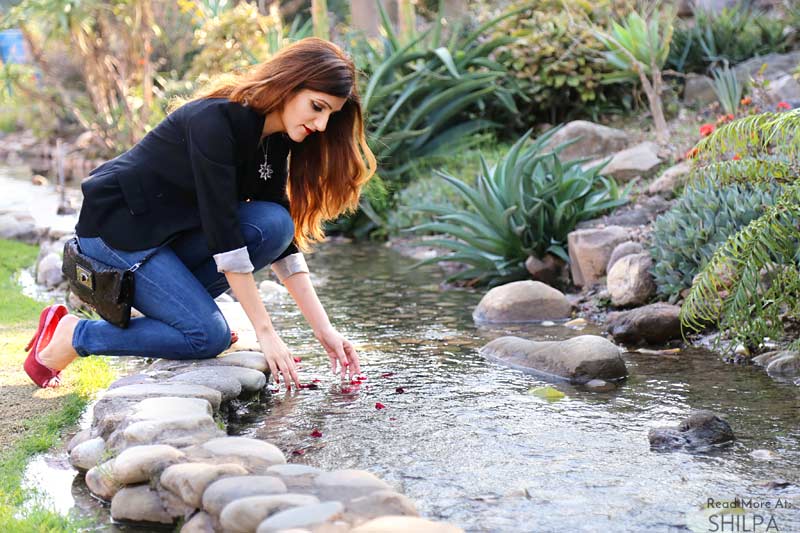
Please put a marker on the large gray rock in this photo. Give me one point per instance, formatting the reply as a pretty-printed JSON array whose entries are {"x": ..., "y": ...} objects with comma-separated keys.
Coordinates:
[
  {"x": 298, "y": 478},
  {"x": 19, "y": 227},
  {"x": 139, "y": 504},
  {"x": 188, "y": 481},
  {"x": 143, "y": 391},
  {"x": 382, "y": 503},
  {"x": 700, "y": 430},
  {"x": 639, "y": 160},
  {"x": 255, "y": 455},
  {"x": 250, "y": 380},
  {"x": 87, "y": 454},
  {"x": 174, "y": 421},
  {"x": 522, "y": 301},
  {"x": 405, "y": 524},
  {"x": 784, "y": 89},
  {"x": 630, "y": 281},
  {"x": 623, "y": 249},
  {"x": 579, "y": 359},
  {"x": 306, "y": 516},
  {"x": 699, "y": 91},
  {"x": 139, "y": 464},
  {"x": 100, "y": 481},
  {"x": 200, "y": 523},
  {"x": 48, "y": 271},
  {"x": 223, "y": 491},
  {"x": 782, "y": 363},
  {"x": 669, "y": 180},
  {"x": 590, "y": 250},
  {"x": 252, "y": 360},
  {"x": 592, "y": 140},
  {"x": 653, "y": 324},
  {"x": 245, "y": 514},
  {"x": 229, "y": 387},
  {"x": 778, "y": 65},
  {"x": 348, "y": 484}
]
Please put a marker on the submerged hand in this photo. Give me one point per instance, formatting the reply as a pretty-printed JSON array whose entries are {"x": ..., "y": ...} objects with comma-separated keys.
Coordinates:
[
  {"x": 279, "y": 359},
  {"x": 339, "y": 351}
]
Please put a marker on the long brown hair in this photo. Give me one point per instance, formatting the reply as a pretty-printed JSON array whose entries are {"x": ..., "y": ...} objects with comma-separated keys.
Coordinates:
[{"x": 328, "y": 169}]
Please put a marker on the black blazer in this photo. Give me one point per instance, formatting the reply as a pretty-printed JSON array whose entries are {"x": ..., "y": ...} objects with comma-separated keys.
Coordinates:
[{"x": 189, "y": 172}]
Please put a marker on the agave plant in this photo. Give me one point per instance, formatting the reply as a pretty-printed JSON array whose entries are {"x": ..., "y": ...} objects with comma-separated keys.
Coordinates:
[
  {"x": 727, "y": 88},
  {"x": 750, "y": 307},
  {"x": 524, "y": 205}
]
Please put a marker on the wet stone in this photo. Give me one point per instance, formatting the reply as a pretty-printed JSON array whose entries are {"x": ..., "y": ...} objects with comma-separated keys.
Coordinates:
[
  {"x": 88, "y": 454},
  {"x": 139, "y": 504},
  {"x": 297, "y": 477},
  {"x": 700, "y": 430},
  {"x": 200, "y": 523},
  {"x": 249, "y": 379},
  {"x": 306, "y": 516},
  {"x": 79, "y": 437},
  {"x": 138, "y": 464},
  {"x": 229, "y": 387},
  {"x": 190, "y": 480},
  {"x": 245, "y": 514},
  {"x": 100, "y": 481},
  {"x": 382, "y": 503},
  {"x": 348, "y": 484},
  {"x": 404, "y": 524},
  {"x": 256, "y": 453},
  {"x": 223, "y": 491},
  {"x": 143, "y": 391},
  {"x": 246, "y": 359},
  {"x": 135, "y": 379}
]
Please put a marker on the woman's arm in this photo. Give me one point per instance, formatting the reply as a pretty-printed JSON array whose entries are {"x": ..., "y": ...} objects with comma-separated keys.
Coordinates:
[
  {"x": 279, "y": 358},
  {"x": 337, "y": 347}
]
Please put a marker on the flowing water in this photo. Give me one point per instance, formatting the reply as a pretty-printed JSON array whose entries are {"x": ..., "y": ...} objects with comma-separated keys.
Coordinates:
[{"x": 467, "y": 442}]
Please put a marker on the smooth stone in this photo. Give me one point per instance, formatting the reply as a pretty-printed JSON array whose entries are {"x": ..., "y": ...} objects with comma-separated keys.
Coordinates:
[
  {"x": 589, "y": 252},
  {"x": 229, "y": 387},
  {"x": 670, "y": 179},
  {"x": 579, "y": 359},
  {"x": 144, "y": 391},
  {"x": 591, "y": 140},
  {"x": 297, "y": 477},
  {"x": 200, "y": 523},
  {"x": 305, "y": 516},
  {"x": 348, "y": 484},
  {"x": 48, "y": 271},
  {"x": 638, "y": 160},
  {"x": 246, "y": 359},
  {"x": 139, "y": 504},
  {"x": 547, "y": 270},
  {"x": 100, "y": 480},
  {"x": 405, "y": 524},
  {"x": 599, "y": 385},
  {"x": 621, "y": 250},
  {"x": 249, "y": 379},
  {"x": 190, "y": 480},
  {"x": 522, "y": 301},
  {"x": 785, "y": 364},
  {"x": 138, "y": 464},
  {"x": 245, "y": 514},
  {"x": 700, "y": 430},
  {"x": 246, "y": 448},
  {"x": 382, "y": 503},
  {"x": 764, "y": 455},
  {"x": 223, "y": 491},
  {"x": 88, "y": 454},
  {"x": 630, "y": 282},
  {"x": 576, "y": 323},
  {"x": 653, "y": 324},
  {"x": 79, "y": 437},
  {"x": 135, "y": 379}
]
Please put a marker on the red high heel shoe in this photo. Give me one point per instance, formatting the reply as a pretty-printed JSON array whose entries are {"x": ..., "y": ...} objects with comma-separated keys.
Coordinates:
[
  {"x": 40, "y": 374},
  {"x": 234, "y": 338}
]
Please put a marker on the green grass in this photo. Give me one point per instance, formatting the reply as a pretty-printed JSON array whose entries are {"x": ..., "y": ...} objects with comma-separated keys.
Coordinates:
[{"x": 23, "y": 510}]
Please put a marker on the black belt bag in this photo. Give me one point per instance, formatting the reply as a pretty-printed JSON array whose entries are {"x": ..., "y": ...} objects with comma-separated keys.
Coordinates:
[{"x": 108, "y": 289}]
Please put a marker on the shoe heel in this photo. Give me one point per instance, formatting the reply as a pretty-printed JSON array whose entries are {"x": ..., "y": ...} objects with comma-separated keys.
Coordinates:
[{"x": 42, "y": 320}]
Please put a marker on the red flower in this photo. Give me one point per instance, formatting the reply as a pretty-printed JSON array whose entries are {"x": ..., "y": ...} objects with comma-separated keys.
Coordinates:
[
  {"x": 691, "y": 154},
  {"x": 361, "y": 378},
  {"x": 296, "y": 359},
  {"x": 379, "y": 405},
  {"x": 730, "y": 116},
  {"x": 316, "y": 433},
  {"x": 746, "y": 100},
  {"x": 706, "y": 130},
  {"x": 315, "y": 380},
  {"x": 399, "y": 390},
  {"x": 298, "y": 452},
  {"x": 784, "y": 105},
  {"x": 347, "y": 390},
  {"x": 387, "y": 374},
  {"x": 355, "y": 382},
  {"x": 736, "y": 157}
]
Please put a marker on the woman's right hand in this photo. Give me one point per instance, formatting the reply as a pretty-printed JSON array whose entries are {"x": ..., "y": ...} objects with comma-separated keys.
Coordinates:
[{"x": 279, "y": 358}]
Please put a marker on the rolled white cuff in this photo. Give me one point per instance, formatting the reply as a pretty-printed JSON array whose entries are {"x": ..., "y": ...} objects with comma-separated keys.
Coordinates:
[
  {"x": 291, "y": 264},
  {"x": 234, "y": 261}
]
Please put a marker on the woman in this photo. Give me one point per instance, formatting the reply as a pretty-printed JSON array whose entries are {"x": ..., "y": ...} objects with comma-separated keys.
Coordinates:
[{"x": 240, "y": 177}]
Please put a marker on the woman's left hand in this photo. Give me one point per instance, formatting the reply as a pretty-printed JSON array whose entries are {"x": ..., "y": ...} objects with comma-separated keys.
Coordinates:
[{"x": 339, "y": 351}]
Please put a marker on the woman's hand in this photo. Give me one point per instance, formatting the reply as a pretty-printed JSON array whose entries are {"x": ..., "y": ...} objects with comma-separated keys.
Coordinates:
[
  {"x": 339, "y": 351},
  {"x": 279, "y": 358}
]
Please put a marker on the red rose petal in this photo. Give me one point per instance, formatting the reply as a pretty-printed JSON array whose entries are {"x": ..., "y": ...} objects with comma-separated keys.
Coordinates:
[
  {"x": 387, "y": 374},
  {"x": 316, "y": 433},
  {"x": 346, "y": 390},
  {"x": 392, "y": 418},
  {"x": 379, "y": 405},
  {"x": 296, "y": 359},
  {"x": 315, "y": 380},
  {"x": 399, "y": 390},
  {"x": 298, "y": 452}
]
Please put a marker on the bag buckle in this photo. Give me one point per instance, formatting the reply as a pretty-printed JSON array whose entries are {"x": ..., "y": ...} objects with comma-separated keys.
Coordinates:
[
  {"x": 84, "y": 277},
  {"x": 135, "y": 267}
]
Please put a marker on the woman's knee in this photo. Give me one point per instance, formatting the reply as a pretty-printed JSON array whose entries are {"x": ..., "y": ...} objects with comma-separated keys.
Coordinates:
[
  {"x": 267, "y": 222},
  {"x": 215, "y": 338}
]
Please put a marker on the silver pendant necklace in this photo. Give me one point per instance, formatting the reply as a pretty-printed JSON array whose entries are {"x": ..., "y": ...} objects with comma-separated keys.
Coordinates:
[{"x": 265, "y": 170}]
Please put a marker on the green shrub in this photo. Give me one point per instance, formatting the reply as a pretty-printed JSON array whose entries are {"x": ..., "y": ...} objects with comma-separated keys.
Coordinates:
[
  {"x": 524, "y": 205},
  {"x": 685, "y": 238},
  {"x": 555, "y": 60},
  {"x": 733, "y": 35}
]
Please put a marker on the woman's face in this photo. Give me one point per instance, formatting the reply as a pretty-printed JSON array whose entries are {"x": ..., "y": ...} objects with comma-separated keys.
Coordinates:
[{"x": 308, "y": 111}]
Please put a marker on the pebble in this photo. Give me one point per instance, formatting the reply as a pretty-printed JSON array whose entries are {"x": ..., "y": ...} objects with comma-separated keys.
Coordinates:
[{"x": 244, "y": 515}]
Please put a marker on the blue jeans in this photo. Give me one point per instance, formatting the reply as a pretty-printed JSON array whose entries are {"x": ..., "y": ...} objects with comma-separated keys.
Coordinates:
[{"x": 175, "y": 290}]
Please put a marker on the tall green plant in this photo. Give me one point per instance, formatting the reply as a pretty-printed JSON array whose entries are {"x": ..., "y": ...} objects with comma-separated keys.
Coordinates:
[
  {"x": 524, "y": 205},
  {"x": 638, "y": 46},
  {"x": 744, "y": 303},
  {"x": 728, "y": 89}
]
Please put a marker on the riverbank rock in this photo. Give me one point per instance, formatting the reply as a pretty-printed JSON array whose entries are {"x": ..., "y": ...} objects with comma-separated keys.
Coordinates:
[
  {"x": 547, "y": 270},
  {"x": 245, "y": 514},
  {"x": 382, "y": 503},
  {"x": 623, "y": 249},
  {"x": 579, "y": 359},
  {"x": 629, "y": 281},
  {"x": 48, "y": 271},
  {"x": 226, "y": 490},
  {"x": 139, "y": 504},
  {"x": 307, "y": 516},
  {"x": 698, "y": 91},
  {"x": 254, "y": 455},
  {"x": 405, "y": 524},
  {"x": 784, "y": 89},
  {"x": 782, "y": 363},
  {"x": 591, "y": 140},
  {"x": 228, "y": 386},
  {"x": 670, "y": 180},
  {"x": 652, "y": 324},
  {"x": 138, "y": 464},
  {"x": 87, "y": 454},
  {"x": 188, "y": 481},
  {"x": 246, "y": 359},
  {"x": 522, "y": 301},
  {"x": 590, "y": 250},
  {"x": 639, "y": 160},
  {"x": 348, "y": 484},
  {"x": 700, "y": 430}
]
